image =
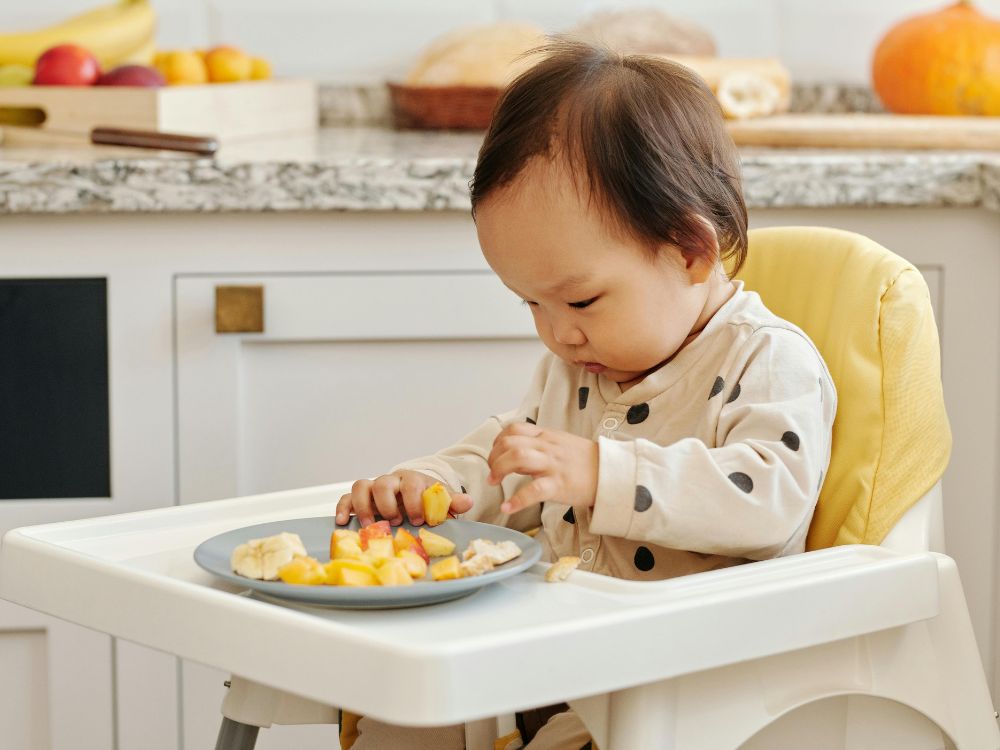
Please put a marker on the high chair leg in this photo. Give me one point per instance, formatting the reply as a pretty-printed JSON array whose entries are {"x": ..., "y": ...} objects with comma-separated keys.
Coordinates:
[{"x": 236, "y": 736}]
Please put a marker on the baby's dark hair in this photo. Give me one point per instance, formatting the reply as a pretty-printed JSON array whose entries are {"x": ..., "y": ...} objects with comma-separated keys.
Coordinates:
[{"x": 647, "y": 135}]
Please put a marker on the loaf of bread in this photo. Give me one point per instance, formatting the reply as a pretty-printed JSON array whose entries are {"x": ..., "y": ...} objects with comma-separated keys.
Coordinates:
[
  {"x": 745, "y": 87},
  {"x": 644, "y": 31},
  {"x": 487, "y": 55}
]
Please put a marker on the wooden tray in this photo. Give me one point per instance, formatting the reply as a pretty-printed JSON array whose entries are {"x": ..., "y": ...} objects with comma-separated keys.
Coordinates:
[
  {"x": 869, "y": 131},
  {"x": 229, "y": 111}
]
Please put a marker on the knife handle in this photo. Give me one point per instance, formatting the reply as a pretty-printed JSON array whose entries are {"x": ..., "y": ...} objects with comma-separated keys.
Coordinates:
[{"x": 204, "y": 145}]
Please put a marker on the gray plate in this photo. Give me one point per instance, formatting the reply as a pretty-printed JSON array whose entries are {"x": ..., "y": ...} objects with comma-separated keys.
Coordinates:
[{"x": 214, "y": 555}]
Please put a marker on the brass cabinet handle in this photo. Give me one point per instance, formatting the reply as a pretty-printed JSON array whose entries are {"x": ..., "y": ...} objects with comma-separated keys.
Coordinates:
[{"x": 239, "y": 309}]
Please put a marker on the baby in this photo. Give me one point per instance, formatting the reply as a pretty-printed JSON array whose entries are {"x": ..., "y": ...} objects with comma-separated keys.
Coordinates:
[{"x": 676, "y": 425}]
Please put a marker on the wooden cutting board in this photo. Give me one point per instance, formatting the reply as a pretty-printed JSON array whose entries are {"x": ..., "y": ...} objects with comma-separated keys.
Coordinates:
[{"x": 869, "y": 131}]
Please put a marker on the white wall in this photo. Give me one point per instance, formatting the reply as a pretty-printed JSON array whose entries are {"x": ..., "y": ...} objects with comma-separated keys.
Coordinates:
[{"x": 369, "y": 40}]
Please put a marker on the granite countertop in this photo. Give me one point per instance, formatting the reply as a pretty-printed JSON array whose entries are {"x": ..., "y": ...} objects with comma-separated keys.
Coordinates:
[{"x": 380, "y": 169}]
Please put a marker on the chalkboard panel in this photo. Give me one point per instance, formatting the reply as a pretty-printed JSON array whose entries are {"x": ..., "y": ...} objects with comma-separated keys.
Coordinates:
[{"x": 54, "y": 430}]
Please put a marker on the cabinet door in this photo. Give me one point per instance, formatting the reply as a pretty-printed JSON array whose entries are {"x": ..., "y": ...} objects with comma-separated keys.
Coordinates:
[
  {"x": 61, "y": 458},
  {"x": 351, "y": 374}
]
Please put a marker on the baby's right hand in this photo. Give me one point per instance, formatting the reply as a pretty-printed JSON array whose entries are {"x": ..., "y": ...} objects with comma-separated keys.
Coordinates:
[{"x": 392, "y": 495}]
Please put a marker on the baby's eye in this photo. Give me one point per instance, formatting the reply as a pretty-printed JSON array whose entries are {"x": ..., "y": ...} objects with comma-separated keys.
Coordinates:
[
  {"x": 584, "y": 303},
  {"x": 526, "y": 302}
]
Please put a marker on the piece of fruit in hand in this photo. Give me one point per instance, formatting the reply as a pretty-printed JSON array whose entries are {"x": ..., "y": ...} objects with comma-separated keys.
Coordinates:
[
  {"x": 305, "y": 571},
  {"x": 435, "y": 544},
  {"x": 437, "y": 503},
  {"x": 375, "y": 530},
  {"x": 392, "y": 572},
  {"x": 446, "y": 569},
  {"x": 415, "y": 565}
]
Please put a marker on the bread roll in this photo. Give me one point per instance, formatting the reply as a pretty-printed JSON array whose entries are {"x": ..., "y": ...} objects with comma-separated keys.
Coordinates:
[{"x": 477, "y": 56}]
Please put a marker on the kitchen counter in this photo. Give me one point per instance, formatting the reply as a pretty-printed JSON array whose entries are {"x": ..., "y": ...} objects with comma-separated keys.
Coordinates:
[{"x": 379, "y": 169}]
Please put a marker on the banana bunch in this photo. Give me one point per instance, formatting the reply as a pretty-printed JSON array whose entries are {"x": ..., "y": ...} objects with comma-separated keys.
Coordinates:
[{"x": 118, "y": 33}]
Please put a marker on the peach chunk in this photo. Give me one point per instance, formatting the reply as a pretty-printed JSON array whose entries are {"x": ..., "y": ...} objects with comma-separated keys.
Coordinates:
[
  {"x": 415, "y": 565},
  {"x": 380, "y": 548},
  {"x": 435, "y": 544},
  {"x": 437, "y": 503},
  {"x": 351, "y": 573},
  {"x": 376, "y": 530},
  {"x": 446, "y": 568},
  {"x": 346, "y": 549},
  {"x": 392, "y": 572},
  {"x": 305, "y": 571}
]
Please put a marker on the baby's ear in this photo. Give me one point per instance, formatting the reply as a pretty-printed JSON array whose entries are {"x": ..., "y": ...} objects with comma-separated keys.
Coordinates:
[{"x": 702, "y": 261}]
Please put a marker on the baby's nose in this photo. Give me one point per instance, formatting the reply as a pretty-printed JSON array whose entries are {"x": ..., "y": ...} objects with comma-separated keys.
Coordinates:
[{"x": 569, "y": 335}]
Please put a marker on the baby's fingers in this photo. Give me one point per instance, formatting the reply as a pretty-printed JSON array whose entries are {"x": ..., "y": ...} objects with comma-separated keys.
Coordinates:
[
  {"x": 360, "y": 501},
  {"x": 519, "y": 459},
  {"x": 460, "y": 503},
  {"x": 538, "y": 491}
]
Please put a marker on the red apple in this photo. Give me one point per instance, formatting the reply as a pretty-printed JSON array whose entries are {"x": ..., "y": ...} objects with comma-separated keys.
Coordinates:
[
  {"x": 66, "y": 65},
  {"x": 132, "y": 75}
]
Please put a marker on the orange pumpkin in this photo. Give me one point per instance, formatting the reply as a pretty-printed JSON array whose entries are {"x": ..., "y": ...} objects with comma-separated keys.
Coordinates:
[{"x": 941, "y": 63}]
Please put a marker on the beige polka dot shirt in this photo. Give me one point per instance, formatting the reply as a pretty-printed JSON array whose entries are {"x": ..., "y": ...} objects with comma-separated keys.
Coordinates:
[{"x": 714, "y": 459}]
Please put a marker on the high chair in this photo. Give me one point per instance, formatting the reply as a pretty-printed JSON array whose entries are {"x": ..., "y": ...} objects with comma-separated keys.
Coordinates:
[{"x": 916, "y": 686}]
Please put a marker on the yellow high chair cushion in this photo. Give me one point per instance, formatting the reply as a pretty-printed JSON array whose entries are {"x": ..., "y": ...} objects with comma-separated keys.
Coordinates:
[{"x": 869, "y": 313}]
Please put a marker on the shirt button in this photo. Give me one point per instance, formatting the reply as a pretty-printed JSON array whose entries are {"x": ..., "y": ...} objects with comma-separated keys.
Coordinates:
[
  {"x": 610, "y": 423},
  {"x": 587, "y": 555}
]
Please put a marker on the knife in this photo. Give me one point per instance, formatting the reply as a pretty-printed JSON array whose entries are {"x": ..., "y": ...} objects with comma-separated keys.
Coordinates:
[{"x": 203, "y": 145}]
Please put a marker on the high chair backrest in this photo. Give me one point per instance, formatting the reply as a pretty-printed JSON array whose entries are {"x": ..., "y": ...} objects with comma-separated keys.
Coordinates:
[{"x": 869, "y": 313}]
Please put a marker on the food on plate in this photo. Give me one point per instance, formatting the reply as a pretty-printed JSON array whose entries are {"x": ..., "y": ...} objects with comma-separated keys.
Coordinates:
[
  {"x": 351, "y": 573},
  {"x": 392, "y": 572},
  {"x": 405, "y": 540},
  {"x": 435, "y": 544},
  {"x": 371, "y": 557},
  {"x": 380, "y": 549},
  {"x": 446, "y": 569},
  {"x": 306, "y": 571},
  {"x": 437, "y": 503},
  {"x": 561, "y": 569},
  {"x": 263, "y": 558},
  {"x": 347, "y": 549},
  {"x": 475, "y": 566},
  {"x": 379, "y": 529},
  {"x": 415, "y": 565},
  {"x": 497, "y": 552}
]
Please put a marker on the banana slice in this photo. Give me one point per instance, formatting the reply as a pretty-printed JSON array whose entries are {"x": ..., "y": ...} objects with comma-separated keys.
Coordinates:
[
  {"x": 262, "y": 558},
  {"x": 475, "y": 566},
  {"x": 744, "y": 94},
  {"x": 496, "y": 552},
  {"x": 561, "y": 569}
]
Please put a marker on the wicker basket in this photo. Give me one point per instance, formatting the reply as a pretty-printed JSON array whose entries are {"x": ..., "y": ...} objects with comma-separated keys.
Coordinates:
[{"x": 448, "y": 107}]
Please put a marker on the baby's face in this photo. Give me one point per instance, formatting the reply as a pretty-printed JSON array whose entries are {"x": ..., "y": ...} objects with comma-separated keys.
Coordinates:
[{"x": 599, "y": 301}]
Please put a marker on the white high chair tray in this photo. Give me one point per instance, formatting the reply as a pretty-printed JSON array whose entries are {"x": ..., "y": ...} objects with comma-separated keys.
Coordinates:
[{"x": 521, "y": 642}]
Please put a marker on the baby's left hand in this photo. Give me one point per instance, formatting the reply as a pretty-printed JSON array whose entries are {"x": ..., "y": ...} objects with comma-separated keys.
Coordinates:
[{"x": 564, "y": 466}]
